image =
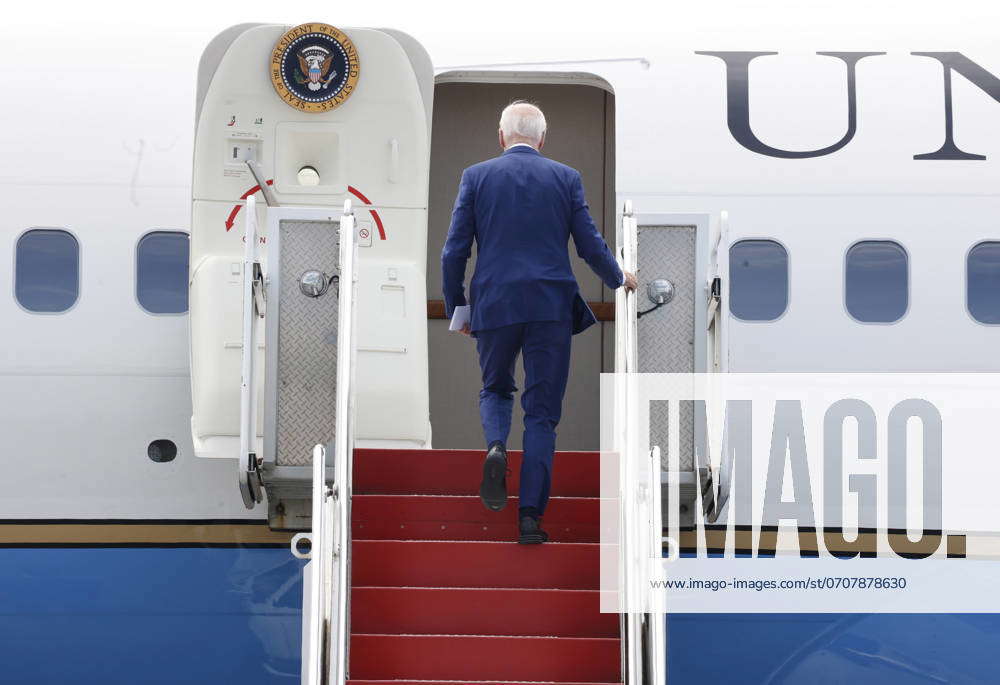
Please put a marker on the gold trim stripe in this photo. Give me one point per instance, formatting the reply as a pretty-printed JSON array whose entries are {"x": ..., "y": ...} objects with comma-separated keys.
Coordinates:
[{"x": 139, "y": 533}]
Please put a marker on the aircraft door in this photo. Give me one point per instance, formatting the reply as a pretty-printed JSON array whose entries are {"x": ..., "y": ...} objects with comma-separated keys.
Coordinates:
[
  {"x": 580, "y": 112},
  {"x": 324, "y": 115}
]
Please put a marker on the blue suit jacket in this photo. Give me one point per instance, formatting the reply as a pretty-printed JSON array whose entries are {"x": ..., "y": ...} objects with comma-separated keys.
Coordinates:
[{"x": 521, "y": 209}]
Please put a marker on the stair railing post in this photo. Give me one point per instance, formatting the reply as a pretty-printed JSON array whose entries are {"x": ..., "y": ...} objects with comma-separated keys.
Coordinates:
[
  {"x": 247, "y": 465},
  {"x": 328, "y": 629},
  {"x": 318, "y": 609},
  {"x": 340, "y": 531},
  {"x": 633, "y": 511}
]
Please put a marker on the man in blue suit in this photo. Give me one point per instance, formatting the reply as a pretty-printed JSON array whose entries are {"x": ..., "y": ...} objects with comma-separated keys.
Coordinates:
[{"x": 521, "y": 209}]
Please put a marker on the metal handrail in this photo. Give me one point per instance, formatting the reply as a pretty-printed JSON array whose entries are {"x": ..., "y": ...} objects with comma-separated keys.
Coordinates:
[
  {"x": 625, "y": 364},
  {"x": 319, "y": 573},
  {"x": 626, "y": 350},
  {"x": 248, "y": 474},
  {"x": 344, "y": 438},
  {"x": 640, "y": 516},
  {"x": 720, "y": 477},
  {"x": 329, "y": 576}
]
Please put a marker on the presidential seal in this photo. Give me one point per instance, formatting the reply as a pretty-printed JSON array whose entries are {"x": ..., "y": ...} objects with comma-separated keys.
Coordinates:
[{"x": 314, "y": 67}]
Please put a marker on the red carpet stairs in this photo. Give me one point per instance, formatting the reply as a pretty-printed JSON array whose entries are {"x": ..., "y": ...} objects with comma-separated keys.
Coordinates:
[{"x": 443, "y": 593}]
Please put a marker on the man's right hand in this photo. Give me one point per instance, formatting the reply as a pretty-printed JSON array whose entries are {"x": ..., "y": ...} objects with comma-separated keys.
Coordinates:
[{"x": 630, "y": 283}]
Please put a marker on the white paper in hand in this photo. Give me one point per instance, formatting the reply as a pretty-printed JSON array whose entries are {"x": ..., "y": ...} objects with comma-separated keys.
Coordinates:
[{"x": 460, "y": 317}]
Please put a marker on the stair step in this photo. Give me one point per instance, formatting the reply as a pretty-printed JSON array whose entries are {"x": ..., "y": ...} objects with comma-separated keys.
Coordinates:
[
  {"x": 477, "y": 658},
  {"x": 479, "y": 611},
  {"x": 413, "y": 563},
  {"x": 453, "y": 517},
  {"x": 458, "y": 472}
]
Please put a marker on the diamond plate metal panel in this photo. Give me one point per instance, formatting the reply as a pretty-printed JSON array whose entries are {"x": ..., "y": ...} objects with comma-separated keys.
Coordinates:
[
  {"x": 307, "y": 343},
  {"x": 665, "y": 338}
]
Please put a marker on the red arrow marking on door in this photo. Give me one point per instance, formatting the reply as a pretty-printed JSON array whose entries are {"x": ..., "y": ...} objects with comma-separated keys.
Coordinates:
[
  {"x": 378, "y": 220},
  {"x": 236, "y": 208},
  {"x": 351, "y": 189}
]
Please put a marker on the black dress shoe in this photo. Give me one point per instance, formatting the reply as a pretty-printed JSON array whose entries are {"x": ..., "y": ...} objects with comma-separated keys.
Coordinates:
[
  {"x": 493, "y": 489},
  {"x": 531, "y": 532}
]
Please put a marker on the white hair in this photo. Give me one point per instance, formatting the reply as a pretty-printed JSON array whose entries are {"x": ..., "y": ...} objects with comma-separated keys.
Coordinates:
[{"x": 522, "y": 122}]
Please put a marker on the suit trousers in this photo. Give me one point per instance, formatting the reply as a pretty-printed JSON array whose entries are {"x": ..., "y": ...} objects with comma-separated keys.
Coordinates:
[{"x": 545, "y": 346}]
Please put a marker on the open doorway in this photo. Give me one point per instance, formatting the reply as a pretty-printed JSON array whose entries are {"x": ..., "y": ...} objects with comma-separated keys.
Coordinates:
[{"x": 579, "y": 110}]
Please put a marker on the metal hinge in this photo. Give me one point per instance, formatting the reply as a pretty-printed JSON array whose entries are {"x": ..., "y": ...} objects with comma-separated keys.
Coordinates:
[
  {"x": 252, "y": 482},
  {"x": 714, "y": 299},
  {"x": 259, "y": 300}
]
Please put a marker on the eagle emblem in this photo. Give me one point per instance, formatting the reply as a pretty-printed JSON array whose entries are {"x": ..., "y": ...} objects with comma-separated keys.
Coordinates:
[
  {"x": 314, "y": 70},
  {"x": 314, "y": 67}
]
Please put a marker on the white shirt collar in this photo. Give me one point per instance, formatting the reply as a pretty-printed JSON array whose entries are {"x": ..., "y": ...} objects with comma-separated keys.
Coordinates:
[{"x": 521, "y": 145}]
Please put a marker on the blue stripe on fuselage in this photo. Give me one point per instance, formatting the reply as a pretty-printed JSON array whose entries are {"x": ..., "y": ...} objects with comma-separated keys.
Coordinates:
[{"x": 148, "y": 615}]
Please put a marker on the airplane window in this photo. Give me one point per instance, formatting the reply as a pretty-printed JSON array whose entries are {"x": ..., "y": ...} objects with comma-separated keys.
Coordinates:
[
  {"x": 47, "y": 270},
  {"x": 161, "y": 280},
  {"x": 983, "y": 282},
  {"x": 758, "y": 280},
  {"x": 876, "y": 281}
]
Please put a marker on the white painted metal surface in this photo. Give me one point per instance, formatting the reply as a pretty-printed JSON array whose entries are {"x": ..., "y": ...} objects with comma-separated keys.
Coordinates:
[
  {"x": 67, "y": 380},
  {"x": 375, "y": 146}
]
